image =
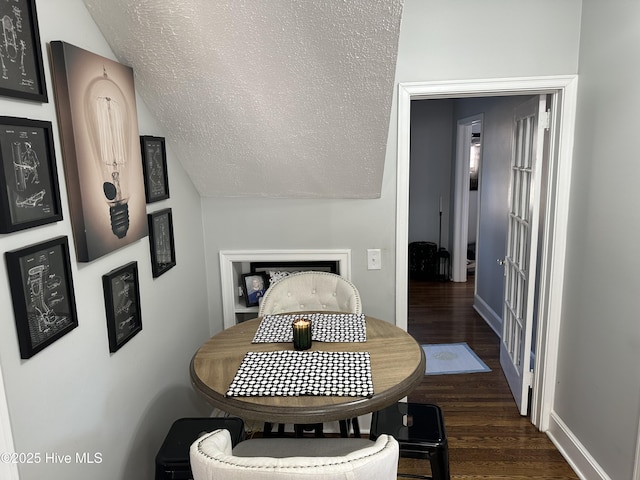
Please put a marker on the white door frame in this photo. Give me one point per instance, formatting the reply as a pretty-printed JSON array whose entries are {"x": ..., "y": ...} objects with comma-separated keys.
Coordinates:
[
  {"x": 461, "y": 199},
  {"x": 564, "y": 93}
]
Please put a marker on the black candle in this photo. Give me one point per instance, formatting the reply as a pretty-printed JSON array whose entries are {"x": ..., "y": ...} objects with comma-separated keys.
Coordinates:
[{"x": 302, "y": 334}]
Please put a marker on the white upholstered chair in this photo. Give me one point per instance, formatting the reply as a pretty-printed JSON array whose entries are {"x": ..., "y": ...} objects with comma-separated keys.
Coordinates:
[
  {"x": 212, "y": 458},
  {"x": 311, "y": 291}
]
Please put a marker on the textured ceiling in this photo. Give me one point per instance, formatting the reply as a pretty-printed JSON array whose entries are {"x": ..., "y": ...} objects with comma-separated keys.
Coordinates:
[{"x": 267, "y": 98}]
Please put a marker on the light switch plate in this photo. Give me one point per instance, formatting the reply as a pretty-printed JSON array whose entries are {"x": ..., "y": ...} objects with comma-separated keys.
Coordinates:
[{"x": 374, "y": 259}]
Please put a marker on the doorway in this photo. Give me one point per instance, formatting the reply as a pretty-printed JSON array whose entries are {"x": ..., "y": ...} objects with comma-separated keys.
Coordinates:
[
  {"x": 563, "y": 90},
  {"x": 468, "y": 157}
]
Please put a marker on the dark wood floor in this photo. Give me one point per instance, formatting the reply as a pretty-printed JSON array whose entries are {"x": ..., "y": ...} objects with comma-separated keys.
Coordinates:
[{"x": 488, "y": 439}]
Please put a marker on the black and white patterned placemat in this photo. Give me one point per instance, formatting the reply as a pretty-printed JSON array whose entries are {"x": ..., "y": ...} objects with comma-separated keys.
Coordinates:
[
  {"x": 294, "y": 373},
  {"x": 325, "y": 327}
]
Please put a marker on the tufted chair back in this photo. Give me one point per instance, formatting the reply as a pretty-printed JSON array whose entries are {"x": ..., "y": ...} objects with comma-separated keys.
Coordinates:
[
  {"x": 212, "y": 458},
  {"x": 311, "y": 291}
]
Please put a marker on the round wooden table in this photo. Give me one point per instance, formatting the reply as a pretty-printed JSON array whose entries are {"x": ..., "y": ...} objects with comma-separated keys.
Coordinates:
[{"x": 397, "y": 367}]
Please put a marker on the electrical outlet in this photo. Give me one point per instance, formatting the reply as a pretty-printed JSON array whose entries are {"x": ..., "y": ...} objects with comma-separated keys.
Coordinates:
[{"x": 374, "y": 259}]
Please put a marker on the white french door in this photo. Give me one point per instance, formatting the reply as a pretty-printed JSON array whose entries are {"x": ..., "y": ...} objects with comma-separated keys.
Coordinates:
[{"x": 520, "y": 260}]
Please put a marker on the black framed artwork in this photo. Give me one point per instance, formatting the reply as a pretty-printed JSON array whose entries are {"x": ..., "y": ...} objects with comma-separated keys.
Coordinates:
[
  {"x": 20, "y": 52},
  {"x": 154, "y": 165},
  {"x": 278, "y": 270},
  {"x": 294, "y": 266},
  {"x": 253, "y": 287},
  {"x": 163, "y": 253},
  {"x": 30, "y": 195},
  {"x": 122, "y": 302},
  {"x": 42, "y": 294}
]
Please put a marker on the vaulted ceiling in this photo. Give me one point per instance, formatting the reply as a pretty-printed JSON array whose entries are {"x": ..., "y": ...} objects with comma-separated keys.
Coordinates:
[{"x": 265, "y": 98}]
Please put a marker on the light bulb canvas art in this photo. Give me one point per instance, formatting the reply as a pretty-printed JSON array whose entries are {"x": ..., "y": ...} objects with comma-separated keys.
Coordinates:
[{"x": 96, "y": 105}]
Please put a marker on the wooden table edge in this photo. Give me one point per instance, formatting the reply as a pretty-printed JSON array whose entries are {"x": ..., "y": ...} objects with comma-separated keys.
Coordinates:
[{"x": 283, "y": 414}]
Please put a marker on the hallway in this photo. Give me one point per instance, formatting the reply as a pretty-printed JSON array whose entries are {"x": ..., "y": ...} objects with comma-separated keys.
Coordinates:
[{"x": 488, "y": 439}]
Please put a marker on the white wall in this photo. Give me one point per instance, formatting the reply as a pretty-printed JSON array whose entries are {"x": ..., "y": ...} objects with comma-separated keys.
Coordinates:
[
  {"x": 75, "y": 396},
  {"x": 596, "y": 410},
  {"x": 258, "y": 224},
  {"x": 438, "y": 40},
  {"x": 499, "y": 38},
  {"x": 598, "y": 384}
]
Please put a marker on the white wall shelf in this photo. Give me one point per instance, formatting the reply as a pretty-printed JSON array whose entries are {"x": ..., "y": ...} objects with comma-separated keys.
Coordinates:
[{"x": 233, "y": 263}]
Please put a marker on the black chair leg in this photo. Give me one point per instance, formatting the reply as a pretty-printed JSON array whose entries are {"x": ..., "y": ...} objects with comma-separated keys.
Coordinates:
[
  {"x": 356, "y": 427},
  {"x": 439, "y": 462},
  {"x": 344, "y": 429},
  {"x": 346, "y": 425},
  {"x": 267, "y": 430}
]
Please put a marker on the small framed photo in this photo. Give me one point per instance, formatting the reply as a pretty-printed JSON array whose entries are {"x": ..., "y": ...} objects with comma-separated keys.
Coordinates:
[
  {"x": 154, "y": 165},
  {"x": 42, "y": 294},
  {"x": 253, "y": 287},
  {"x": 22, "y": 67},
  {"x": 122, "y": 302},
  {"x": 163, "y": 252},
  {"x": 29, "y": 196}
]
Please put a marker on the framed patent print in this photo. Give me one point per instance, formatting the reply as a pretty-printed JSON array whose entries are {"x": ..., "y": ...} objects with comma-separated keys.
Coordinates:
[
  {"x": 122, "y": 302},
  {"x": 154, "y": 164},
  {"x": 42, "y": 294},
  {"x": 30, "y": 195},
  {"x": 22, "y": 69}
]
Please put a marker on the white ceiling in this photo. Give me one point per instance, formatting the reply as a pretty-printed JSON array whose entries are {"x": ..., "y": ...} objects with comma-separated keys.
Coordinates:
[{"x": 266, "y": 98}]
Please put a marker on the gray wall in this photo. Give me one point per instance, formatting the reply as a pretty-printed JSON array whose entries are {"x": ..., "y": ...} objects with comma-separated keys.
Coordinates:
[
  {"x": 497, "y": 135},
  {"x": 431, "y": 166},
  {"x": 429, "y": 49},
  {"x": 598, "y": 387},
  {"x": 258, "y": 224},
  {"x": 75, "y": 396}
]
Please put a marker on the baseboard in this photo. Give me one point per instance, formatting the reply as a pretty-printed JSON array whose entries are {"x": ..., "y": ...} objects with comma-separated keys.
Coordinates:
[
  {"x": 488, "y": 314},
  {"x": 576, "y": 455}
]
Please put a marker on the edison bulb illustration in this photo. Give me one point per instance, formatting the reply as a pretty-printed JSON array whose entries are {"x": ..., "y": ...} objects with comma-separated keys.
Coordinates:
[{"x": 108, "y": 116}]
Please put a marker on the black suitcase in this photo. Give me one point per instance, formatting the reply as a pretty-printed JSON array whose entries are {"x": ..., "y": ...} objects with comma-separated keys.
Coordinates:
[{"x": 172, "y": 460}]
